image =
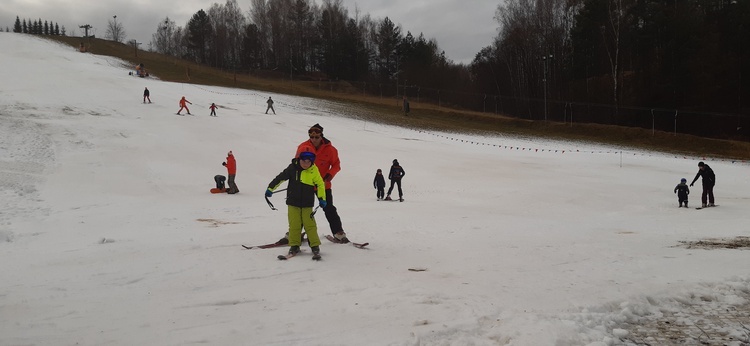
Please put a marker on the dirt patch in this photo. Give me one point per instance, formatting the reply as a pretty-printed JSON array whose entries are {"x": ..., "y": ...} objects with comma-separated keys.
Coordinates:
[
  {"x": 217, "y": 223},
  {"x": 712, "y": 325},
  {"x": 717, "y": 243}
]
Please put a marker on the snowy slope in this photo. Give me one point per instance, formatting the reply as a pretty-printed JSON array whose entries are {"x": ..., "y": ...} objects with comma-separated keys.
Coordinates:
[{"x": 108, "y": 235}]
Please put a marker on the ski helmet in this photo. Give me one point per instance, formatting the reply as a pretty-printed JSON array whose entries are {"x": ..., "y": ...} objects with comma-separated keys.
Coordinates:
[
  {"x": 683, "y": 180},
  {"x": 306, "y": 155}
]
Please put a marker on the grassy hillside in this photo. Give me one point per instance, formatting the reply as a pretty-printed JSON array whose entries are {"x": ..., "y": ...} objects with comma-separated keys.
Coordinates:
[{"x": 425, "y": 116}]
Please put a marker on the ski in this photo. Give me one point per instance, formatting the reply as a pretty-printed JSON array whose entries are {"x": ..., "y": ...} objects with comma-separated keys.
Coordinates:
[
  {"x": 286, "y": 257},
  {"x": 332, "y": 239},
  {"x": 710, "y": 206},
  {"x": 264, "y": 246}
]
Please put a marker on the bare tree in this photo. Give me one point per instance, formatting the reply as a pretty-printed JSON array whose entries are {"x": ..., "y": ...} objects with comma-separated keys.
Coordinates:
[
  {"x": 164, "y": 41},
  {"x": 115, "y": 30}
]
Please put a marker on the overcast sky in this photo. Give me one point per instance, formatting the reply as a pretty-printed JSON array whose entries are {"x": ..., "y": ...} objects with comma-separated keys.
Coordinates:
[{"x": 460, "y": 27}]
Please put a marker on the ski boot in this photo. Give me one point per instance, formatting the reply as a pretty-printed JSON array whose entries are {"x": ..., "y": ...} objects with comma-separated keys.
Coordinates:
[
  {"x": 341, "y": 237},
  {"x": 316, "y": 252},
  {"x": 294, "y": 250}
]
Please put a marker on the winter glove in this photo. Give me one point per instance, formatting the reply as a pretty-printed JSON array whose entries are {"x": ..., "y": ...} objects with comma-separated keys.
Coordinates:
[
  {"x": 224, "y": 164},
  {"x": 322, "y": 203},
  {"x": 269, "y": 193},
  {"x": 691, "y": 184},
  {"x": 327, "y": 177}
]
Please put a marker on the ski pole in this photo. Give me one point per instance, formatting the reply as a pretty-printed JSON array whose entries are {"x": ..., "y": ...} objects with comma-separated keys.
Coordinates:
[
  {"x": 314, "y": 211},
  {"x": 269, "y": 202}
]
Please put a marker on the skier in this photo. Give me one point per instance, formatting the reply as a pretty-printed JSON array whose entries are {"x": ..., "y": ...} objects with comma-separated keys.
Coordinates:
[
  {"x": 231, "y": 166},
  {"x": 270, "y": 106},
  {"x": 146, "y": 96},
  {"x": 213, "y": 109},
  {"x": 379, "y": 184},
  {"x": 682, "y": 192},
  {"x": 708, "y": 178},
  {"x": 395, "y": 175},
  {"x": 329, "y": 165},
  {"x": 304, "y": 177},
  {"x": 183, "y": 105}
]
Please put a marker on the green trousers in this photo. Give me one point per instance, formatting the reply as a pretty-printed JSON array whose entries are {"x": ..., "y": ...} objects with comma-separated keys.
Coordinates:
[{"x": 299, "y": 218}]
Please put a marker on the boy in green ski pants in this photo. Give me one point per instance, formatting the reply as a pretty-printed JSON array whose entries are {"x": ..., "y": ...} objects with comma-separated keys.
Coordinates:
[{"x": 303, "y": 178}]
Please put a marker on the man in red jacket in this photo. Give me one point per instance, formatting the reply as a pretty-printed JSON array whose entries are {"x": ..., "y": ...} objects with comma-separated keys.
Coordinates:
[
  {"x": 327, "y": 160},
  {"x": 231, "y": 166}
]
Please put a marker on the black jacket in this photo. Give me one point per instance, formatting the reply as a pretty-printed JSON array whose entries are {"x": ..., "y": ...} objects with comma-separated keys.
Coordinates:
[
  {"x": 301, "y": 190},
  {"x": 379, "y": 181},
  {"x": 709, "y": 179},
  {"x": 396, "y": 173}
]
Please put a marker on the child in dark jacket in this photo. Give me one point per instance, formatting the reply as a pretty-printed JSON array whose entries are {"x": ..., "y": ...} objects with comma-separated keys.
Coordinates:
[
  {"x": 682, "y": 192},
  {"x": 379, "y": 184},
  {"x": 303, "y": 178}
]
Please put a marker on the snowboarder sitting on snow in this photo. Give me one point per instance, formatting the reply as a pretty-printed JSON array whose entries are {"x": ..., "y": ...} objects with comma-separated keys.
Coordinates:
[
  {"x": 379, "y": 184},
  {"x": 682, "y": 192},
  {"x": 219, "y": 179},
  {"x": 303, "y": 178}
]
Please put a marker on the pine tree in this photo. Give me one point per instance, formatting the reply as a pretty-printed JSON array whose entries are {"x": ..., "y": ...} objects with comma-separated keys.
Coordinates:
[
  {"x": 17, "y": 27},
  {"x": 24, "y": 28},
  {"x": 57, "y": 30},
  {"x": 46, "y": 28}
]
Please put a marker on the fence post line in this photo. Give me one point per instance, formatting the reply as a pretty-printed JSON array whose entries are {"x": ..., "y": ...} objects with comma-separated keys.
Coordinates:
[{"x": 675, "y": 122}]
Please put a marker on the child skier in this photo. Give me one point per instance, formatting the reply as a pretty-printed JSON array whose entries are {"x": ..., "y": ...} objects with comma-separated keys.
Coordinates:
[
  {"x": 682, "y": 192},
  {"x": 379, "y": 184},
  {"x": 213, "y": 110},
  {"x": 303, "y": 178}
]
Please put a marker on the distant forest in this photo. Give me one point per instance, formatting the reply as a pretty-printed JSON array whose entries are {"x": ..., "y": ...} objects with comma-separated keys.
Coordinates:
[{"x": 626, "y": 62}]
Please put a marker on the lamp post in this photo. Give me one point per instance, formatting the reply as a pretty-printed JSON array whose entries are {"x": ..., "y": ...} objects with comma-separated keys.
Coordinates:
[{"x": 545, "y": 59}]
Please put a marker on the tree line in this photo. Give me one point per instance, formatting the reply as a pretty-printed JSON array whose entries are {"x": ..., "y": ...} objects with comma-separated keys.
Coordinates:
[{"x": 36, "y": 27}]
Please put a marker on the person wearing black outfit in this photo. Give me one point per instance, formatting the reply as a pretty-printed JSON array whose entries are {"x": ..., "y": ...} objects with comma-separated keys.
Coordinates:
[
  {"x": 708, "y": 178},
  {"x": 395, "y": 175},
  {"x": 379, "y": 184}
]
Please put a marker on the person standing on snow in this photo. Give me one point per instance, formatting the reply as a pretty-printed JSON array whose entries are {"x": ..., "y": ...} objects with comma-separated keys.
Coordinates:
[
  {"x": 213, "y": 110},
  {"x": 270, "y": 106},
  {"x": 709, "y": 180},
  {"x": 379, "y": 184},
  {"x": 231, "y": 166},
  {"x": 305, "y": 183},
  {"x": 146, "y": 96},
  {"x": 183, "y": 105},
  {"x": 682, "y": 192},
  {"x": 395, "y": 175}
]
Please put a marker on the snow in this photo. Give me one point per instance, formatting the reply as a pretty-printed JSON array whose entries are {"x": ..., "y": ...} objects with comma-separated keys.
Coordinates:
[{"x": 109, "y": 236}]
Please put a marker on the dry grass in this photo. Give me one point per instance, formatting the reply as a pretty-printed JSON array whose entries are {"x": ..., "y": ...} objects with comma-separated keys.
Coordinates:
[{"x": 423, "y": 115}]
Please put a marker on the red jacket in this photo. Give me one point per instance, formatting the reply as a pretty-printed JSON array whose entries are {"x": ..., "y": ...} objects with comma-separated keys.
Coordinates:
[
  {"x": 231, "y": 164},
  {"x": 326, "y": 158}
]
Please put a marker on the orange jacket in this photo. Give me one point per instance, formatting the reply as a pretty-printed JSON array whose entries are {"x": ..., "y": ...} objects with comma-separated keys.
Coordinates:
[
  {"x": 182, "y": 102},
  {"x": 231, "y": 165},
  {"x": 326, "y": 158}
]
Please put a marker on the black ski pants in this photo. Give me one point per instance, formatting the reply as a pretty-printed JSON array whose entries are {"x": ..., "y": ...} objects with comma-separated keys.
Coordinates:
[
  {"x": 397, "y": 182},
  {"x": 332, "y": 215}
]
